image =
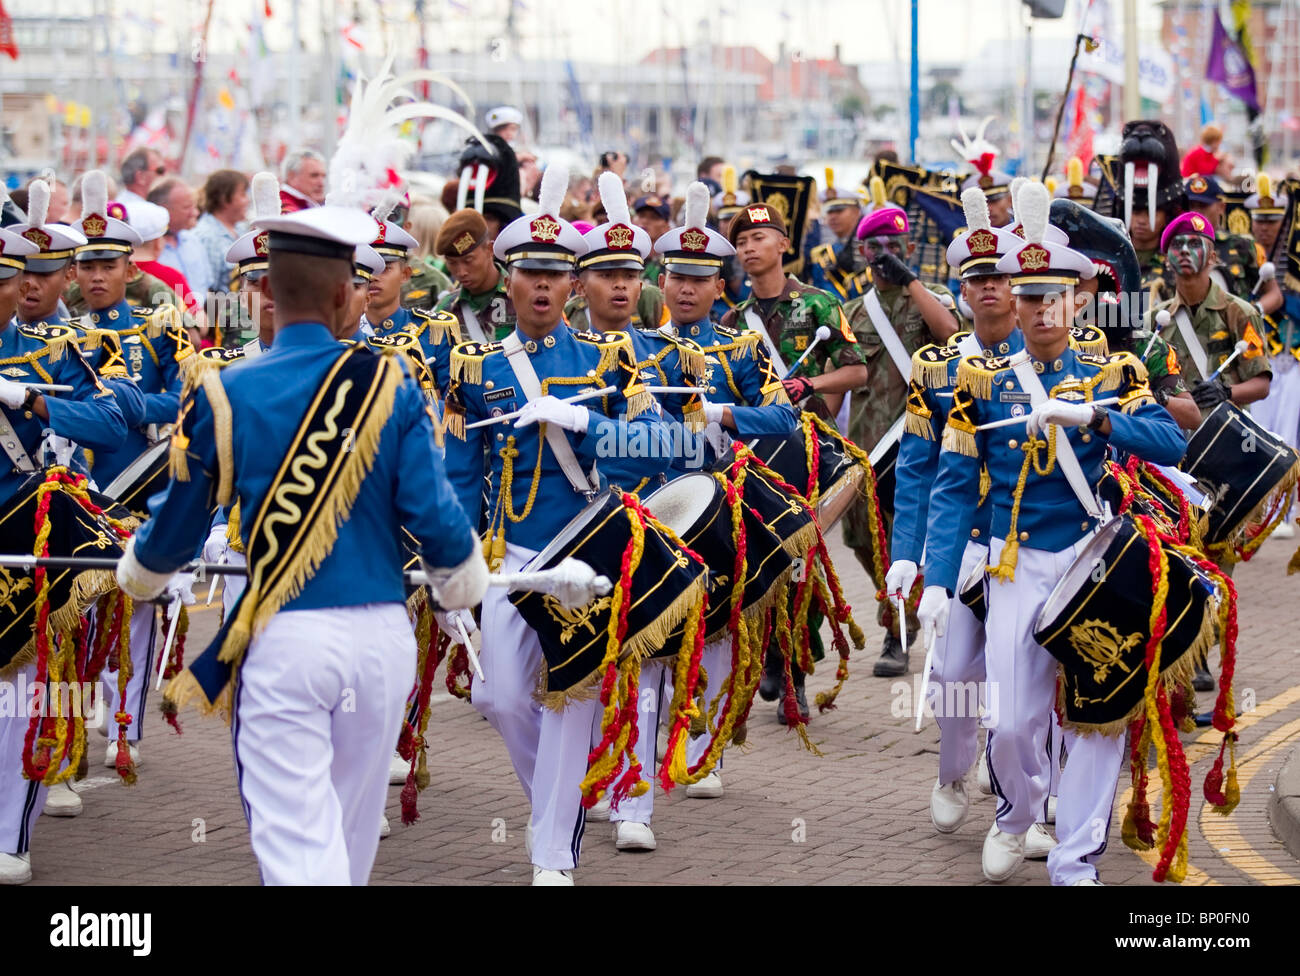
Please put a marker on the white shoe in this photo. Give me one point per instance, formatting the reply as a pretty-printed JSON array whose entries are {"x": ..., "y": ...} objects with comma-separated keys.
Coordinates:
[
  {"x": 709, "y": 788},
  {"x": 1088, "y": 882},
  {"x": 1285, "y": 530},
  {"x": 1038, "y": 843},
  {"x": 1003, "y": 854},
  {"x": 949, "y": 806},
  {"x": 982, "y": 775},
  {"x": 600, "y": 812},
  {"x": 542, "y": 878},
  {"x": 62, "y": 801},
  {"x": 1051, "y": 810},
  {"x": 632, "y": 836},
  {"x": 528, "y": 838},
  {"x": 384, "y": 829},
  {"x": 15, "y": 869},
  {"x": 397, "y": 770},
  {"x": 110, "y": 755}
]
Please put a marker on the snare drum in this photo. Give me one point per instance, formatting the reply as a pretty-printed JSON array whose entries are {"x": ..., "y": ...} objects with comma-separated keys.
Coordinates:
[
  {"x": 700, "y": 502},
  {"x": 839, "y": 475},
  {"x": 1096, "y": 623},
  {"x": 141, "y": 480},
  {"x": 1241, "y": 467},
  {"x": 665, "y": 585}
]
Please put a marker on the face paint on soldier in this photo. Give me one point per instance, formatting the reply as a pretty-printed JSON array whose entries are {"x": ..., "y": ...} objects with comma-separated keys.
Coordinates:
[
  {"x": 761, "y": 249},
  {"x": 895, "y": 244},
  {"x": 103, "y": 282},
  {"x": 1189, "y": 254},
  {"x": 474, "y": 271},
  {"x": 385, "y": 289},
  {"x": 611, "y": 295},
  {"x": 689, "y": 297},
  {"x": 40, "y": 292},
  {"x": 538, "y": 297}
]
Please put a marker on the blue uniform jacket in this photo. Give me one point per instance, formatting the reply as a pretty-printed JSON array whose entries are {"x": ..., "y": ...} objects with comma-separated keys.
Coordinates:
[
  {"x": 438, "y": 332},
  {"x": 154, "y": 344},
  {"x": 1051, "y": 517},
  {"x": 406, "y": 486},
  {"x": 626, "y": 450},
  {"x": 929, "y": 397}
]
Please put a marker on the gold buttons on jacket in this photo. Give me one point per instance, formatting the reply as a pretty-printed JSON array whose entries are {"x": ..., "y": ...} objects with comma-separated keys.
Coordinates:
[
  {"x": 974, "y": 533},
  {"x": 1013, "y": 444},
  {"x": 1024, "y": 536}
]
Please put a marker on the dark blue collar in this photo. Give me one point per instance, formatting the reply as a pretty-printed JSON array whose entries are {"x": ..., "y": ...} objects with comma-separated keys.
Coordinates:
[{"x": 116, "y": 316}]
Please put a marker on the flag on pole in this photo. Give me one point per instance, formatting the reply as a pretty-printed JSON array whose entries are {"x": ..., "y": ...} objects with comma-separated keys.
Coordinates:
[
  {"x": 1230, "y": 66},
  {"x": 8, "y": 45}
]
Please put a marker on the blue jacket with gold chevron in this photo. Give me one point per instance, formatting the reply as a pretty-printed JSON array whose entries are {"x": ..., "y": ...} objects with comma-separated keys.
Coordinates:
[
  {"x": 529, "y": 496},
  {"x": 103, "y": 348},
  {"x": 89, "y": 415},
  {"x": 438, "y": 332},
  {"x": 1044, "y": 512},
  {"x": 154, "y": 344},
  {"x": 242, "y": 443}
]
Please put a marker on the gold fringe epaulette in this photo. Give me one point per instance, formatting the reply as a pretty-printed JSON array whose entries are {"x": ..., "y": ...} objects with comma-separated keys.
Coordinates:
[
  {"x": 689, "y": 353},
  {"x": 1114, "y": 370},
  {"x": 440, "y": 325},
  {"x": 959, "y": 433},
  {"x": 740, "y": 345},
  {"x": 193, "y": 368},
  {"x": 467, "y": 361},
  {"x": 394, "y": 342},
  {"x": 610, "y": 345},
  {"x": 638, "y": 398},
  {"x": 917, "y": 420},
  {"x": 56, "y": 337},
  {"x": 1089, "y": 339},
  {"x": 930, "y": 365},
  {"x": 975, "y": 374}
]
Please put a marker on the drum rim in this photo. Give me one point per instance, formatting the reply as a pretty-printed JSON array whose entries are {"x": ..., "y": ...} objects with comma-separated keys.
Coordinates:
[
  {"x": 133, "y": 470},
  {"x": 571, "y": 528},
  {"x": 681, "y": 484},
  {"x": 1101, "y": 540}
]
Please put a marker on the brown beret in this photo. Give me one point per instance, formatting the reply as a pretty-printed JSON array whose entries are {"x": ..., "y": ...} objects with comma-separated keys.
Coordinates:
[
  {"x": 460, "y": 233},
  {"x": 755, "y": 215}
]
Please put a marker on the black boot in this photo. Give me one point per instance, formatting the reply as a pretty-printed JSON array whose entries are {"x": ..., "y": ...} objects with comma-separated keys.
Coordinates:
[
  {"x": 773, "y": 680},
  {"x": 1202, "y": 680},
  {"x": 893, "y": 659},
  {"x": 799, "y": 698}
]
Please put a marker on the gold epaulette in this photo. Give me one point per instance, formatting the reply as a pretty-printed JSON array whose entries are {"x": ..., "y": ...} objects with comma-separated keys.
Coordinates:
[
  {"x": 1089, "y": 339},
  {"x": 689, "y": 353},
  {"x": 930, "y": 364},
  {"x": 113, "y": 365},
  {"x": 440, "y": 325},
  {"x": 741, "y": 342},
  {"x": 959, "y": 432},
  {"x": 610, "y": 344},
  {"x": 975, "y": 374},
  {"x": 823, "y": 254},
  {"x": 394, "y": 342},
  {"x": 1114, "y": 370},
  {"x": 467, "y": 360},
  {"x": 56, "y": 338},
  {"x": 206, "y": 360}
]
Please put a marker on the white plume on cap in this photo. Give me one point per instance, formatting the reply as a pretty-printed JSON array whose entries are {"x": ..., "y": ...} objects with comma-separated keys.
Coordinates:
[
  {"x": 649, "y": 181},
  {"x": 614, "y": 198},
  {"x": 555, "y": 187},
  {"x": 1034, "y": 202},
  {"x": 38, "y": 203},
  {"x": 696, "y": 211},
  {"x": 976, "y": 206},
  {"x": 387, "y": 204},
  {"x": 1016, "y": 184},
  {"x": 94, "y": 192},
  {"x": 266, "y": 196}
]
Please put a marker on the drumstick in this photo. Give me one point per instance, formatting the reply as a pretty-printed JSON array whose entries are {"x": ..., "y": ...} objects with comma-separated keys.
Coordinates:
[
  {"x": 1162, "y": 323},
  {"x": 1241, "y": 346},
  {"x": 469, "y": 650},
  {"x": 681, "y": 389},
  {"x": 48, "y": 387},
  {"x": 1267, "y": 272},
  {"x": 175, "y": 609},
  {"x": 821, "y": 335},
  {"x": 925, "y": 682},
  {"x": 1012, "y": 421},
  {"x": 589, "y": 395},
  {"x": 213, "y": 588}
]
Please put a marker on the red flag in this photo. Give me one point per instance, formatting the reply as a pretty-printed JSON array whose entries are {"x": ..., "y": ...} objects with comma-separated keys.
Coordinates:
[{"x": 7, "y": 43}]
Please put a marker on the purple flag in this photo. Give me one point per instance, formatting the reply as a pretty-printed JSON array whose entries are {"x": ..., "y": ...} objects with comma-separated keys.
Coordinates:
[{"x": 1229, "y": 67}]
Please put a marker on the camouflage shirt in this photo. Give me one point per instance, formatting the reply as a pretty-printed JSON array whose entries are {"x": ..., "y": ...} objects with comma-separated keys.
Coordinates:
[
  {"x": 649, "y": 310},
  {"x": 1238, "y": 263},
  {"x": 428, "y": 281},
  {"x": 1157, "y": 279},
  {"x": 792, "y": 321},
  {"x": 492, "y": 309},
  {"x": 875, "y": 407}
]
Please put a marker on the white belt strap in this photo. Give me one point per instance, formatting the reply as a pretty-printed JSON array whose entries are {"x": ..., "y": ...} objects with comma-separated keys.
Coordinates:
[
  {"x": 471, "y": 323},
  {"x": 885, "y": 329},
  {"x": 754, "y": 322},
  {"x": 13, "y": 446},
  {"x": 1031, "y": 384},
  {"x": 532, "y": 389},
  {"x": 968, "y": 345},
  {"x": 1192, "y": 341}
]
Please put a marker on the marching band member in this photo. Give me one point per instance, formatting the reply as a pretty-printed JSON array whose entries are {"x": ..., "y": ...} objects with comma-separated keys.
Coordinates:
[
  {"x": 319, "y": 646},
  {"x": 50, "y": 268},
  {"x": 44, "y": 353},
  {"x": 1040, "y": 521},
  {"x": 557, "y": 442},
  {"x": 479, "y": 300}
]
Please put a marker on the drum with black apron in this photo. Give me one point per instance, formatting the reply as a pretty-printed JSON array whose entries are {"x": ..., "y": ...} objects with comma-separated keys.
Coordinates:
[
  {"x": 1243, "y": 469},
  {"x": 1097, "y": 623},
  {"x": 699, "y": 501},
  {"x": 784, "y": 514},
  {"x": 839, "y": 475},
  {"x": 141, "y": 480},
  {"x": 665, "y": 584}
]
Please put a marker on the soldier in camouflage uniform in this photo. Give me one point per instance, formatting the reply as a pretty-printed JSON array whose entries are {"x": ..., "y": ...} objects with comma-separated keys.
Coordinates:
[
  {"x": 479, "y": 299},
  {"x": 787, "y": 314},
  {"x": 918, "y": 315},
  {"x": 427, "y": 283},
  {"x": 1239, "y": 256}
]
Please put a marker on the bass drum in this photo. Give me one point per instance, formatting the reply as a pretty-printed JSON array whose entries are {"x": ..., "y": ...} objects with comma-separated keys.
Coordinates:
[{"x": 839, "y": 476}]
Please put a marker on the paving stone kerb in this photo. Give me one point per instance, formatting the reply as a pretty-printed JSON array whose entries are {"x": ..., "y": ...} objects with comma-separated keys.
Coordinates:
[{"x": 1284, "y": 804}]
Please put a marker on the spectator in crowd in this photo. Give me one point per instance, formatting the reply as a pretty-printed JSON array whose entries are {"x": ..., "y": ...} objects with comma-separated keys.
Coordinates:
[
  {"x": 530, "y": 174},
  {"x": 302, "y": 182},
  {"x": 140, "y": 170},
  {"x": 652, "y": 213},
  {"x": 709, "y": 172},
  {"x": 180, "y": 249},
  {"x": 505, "y": 121},
  {"x": 582, "y": 193},
  {"x": 1204, "y": 159},
  {"x": 150, "y": 221},
  {"x": 613, "y": 161},
  {"x": 225, "y": 202}
]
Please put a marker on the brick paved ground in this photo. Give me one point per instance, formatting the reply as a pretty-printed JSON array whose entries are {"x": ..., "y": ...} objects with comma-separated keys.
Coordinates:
[{"x": 858, "y": 814}]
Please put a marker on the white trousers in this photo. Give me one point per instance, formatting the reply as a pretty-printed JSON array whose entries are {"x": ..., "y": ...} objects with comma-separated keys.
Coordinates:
[
  {"x": 655, "y": 692},
  {"x": 232, "y": 587},
  {"x": 144, "y": 645},
  {"x": 316, "y": 714},
  {"x": 1280, "y": 410},
  {"x": 957, "y": 669},
  {"x": 547, "y": 749},
  {"x": 1023, "y": 676},
  {"x": 716, "y": 659},
  {"x": 21, "y": 800}
]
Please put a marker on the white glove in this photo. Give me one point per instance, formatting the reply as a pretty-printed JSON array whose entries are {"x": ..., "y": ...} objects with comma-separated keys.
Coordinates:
[
  {"x": 180, "y": 587},
  {"x": 457, "y": 587},
  {"x": 1059, "y": 412},
  {"x": 572, "y": 582},
  {"x": 550, "y": 410},
  {"x": 933, "y": 612},
  {"x": 901, "y": 576},
  {"x": 12, "y": 394},
  {"x": 57, "y": 449},
  {"x": 217, "y": 545},
  {"x": 718, "y": 438},
  {"x": 713, "y": 412},
  {"x": 447, "y": 621}
]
